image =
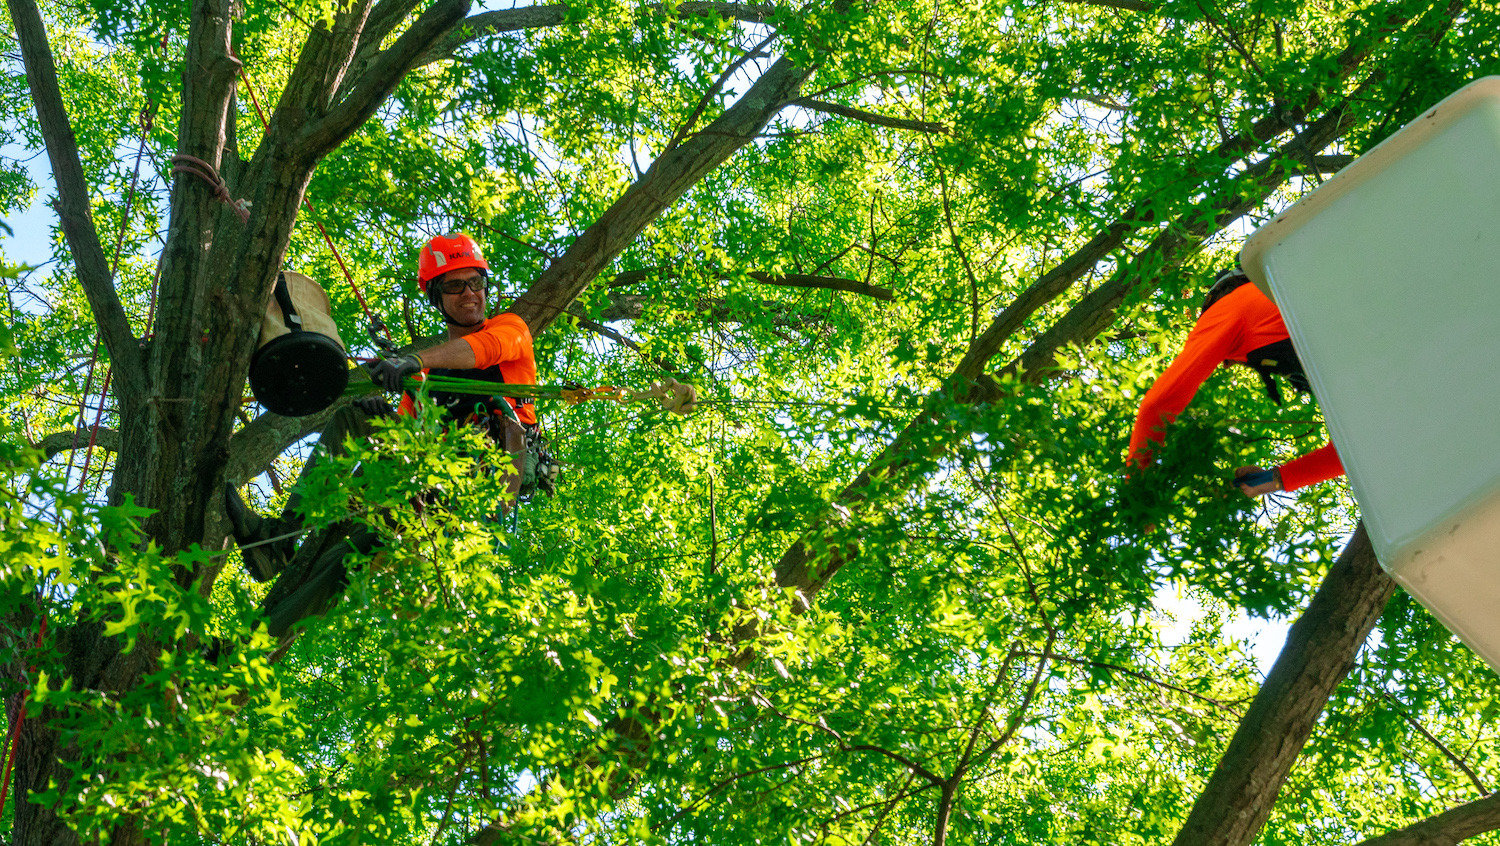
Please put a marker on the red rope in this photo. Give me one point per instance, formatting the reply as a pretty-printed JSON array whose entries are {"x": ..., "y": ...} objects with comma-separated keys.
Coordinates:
[
  {"x": 88, "y": 388},
  {"x": 88, "y": 456},
  {"x": 15, "y": 727},
  {"x": 114, "y": 269}
]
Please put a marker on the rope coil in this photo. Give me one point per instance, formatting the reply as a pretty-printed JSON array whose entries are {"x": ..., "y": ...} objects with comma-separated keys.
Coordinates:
[{"x": 194, "y": 166}]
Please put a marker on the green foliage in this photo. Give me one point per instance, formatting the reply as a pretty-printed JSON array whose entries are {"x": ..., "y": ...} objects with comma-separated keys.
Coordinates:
[{"x": 1011, "y": 611}]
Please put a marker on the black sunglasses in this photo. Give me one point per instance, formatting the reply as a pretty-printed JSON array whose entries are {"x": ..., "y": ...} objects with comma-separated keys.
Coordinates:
[{"x": 453, "y": 286}]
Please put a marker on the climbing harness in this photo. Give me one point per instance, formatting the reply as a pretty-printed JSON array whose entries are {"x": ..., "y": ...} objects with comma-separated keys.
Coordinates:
[{"x": 539, "y": 470}]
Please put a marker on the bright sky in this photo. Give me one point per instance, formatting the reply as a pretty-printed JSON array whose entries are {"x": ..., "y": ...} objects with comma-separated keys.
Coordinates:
[{"x": 32, "y": 226}]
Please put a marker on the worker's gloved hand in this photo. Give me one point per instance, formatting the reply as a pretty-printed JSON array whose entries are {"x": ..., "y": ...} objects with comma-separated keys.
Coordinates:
[
  {"x": 389, "y": 373},
  {"x": 374, "y": 405},
  {"x": 1255, "y": 481}
]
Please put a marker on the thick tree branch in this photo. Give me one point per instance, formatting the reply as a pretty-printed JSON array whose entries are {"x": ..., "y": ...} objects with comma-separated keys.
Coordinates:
[
  {"x": 254, "y": 447},
  {"x": 870, "y": 117},
  {"x": 1142, "y": 213},
  {"x": 381, "y": 22},
  {"x": 1332, "y": 163},
  {"x": 381, "y": 77},
  {"x": 1096, "y": 311},
  {"x": 73, "y": 197},
  {"x": 1319, "y": 652},
  {"x": 1452, "y": 826},
  {"x": 668, "y": 178},
  {"x": 486, "y": 24},
  {"x": 104, "y": 438}
]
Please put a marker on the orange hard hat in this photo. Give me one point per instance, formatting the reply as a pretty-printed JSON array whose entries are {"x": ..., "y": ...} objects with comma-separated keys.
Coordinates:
[{"x": 448, "y": 251}]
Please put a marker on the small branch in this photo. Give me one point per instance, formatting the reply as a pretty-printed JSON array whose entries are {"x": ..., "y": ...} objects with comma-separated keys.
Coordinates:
[
  {"x": 1447, "y": 753},
  {"x": 728, "y": 781},
  {"x": 869, "y": 117},
  {"x": 788, "y": 280},
  {"x": 1230, "y": 36},
  {"x": 605, "y": 331},
  {"x": 1014, "y": 724},
  {"x": 104, "y": 438},
  {"x": 911, "y": 766},
  {"x": 831, "y": 283},
  {"x": 713, "y": 527},
  {"x": 666, "y": 180},
  {"x": 1102, "y": 102},
  {"x": 1136, "y": 674},
  {"x": 714, "y": 89},
  {"x": 963, "y": 256}
]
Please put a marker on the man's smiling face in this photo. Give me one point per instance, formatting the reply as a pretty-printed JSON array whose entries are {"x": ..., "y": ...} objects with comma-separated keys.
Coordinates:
[{"x": 467, "y": 306}]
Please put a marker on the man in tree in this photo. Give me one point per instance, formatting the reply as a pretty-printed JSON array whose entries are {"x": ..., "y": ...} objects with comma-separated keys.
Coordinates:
[
  {"x": 453, "y": 273},
  {"x": 1238, "y": 323}
]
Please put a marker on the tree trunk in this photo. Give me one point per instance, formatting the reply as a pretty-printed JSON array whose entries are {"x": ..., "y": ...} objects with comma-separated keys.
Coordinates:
[{"x": 1319, "y": 652}]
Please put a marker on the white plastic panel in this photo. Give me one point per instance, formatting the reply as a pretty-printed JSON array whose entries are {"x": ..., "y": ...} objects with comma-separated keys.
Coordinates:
[{"x": 1388, "y": 277}]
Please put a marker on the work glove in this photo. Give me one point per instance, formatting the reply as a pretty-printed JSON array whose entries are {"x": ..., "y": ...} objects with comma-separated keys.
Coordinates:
[{"x": 390, "y": 373}]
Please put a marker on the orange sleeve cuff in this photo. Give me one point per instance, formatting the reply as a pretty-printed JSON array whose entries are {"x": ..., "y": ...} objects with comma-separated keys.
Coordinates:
[{"x": 1320, "y": 465}]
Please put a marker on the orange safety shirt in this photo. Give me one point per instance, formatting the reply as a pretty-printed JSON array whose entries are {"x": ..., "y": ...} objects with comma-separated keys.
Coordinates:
[
  {"x": 1242, "y": 321},
  {"x": 502, "y": 354}
]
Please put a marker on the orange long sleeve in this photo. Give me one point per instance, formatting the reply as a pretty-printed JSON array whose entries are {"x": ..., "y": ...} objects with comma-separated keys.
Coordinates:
[
  {"x": 1243, "y": 321},
  {"x": 503, "y": 343}
]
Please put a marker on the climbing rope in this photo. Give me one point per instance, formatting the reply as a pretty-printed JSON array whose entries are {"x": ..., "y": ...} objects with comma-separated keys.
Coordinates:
[
  {"x": 677, "y": 397},
  {"x": 14, "y": 741},
  {"x": 194, "y": 166}
]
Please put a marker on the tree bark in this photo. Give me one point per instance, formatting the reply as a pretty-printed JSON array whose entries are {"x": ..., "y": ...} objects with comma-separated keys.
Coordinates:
[{"x": 177, "y": 399}]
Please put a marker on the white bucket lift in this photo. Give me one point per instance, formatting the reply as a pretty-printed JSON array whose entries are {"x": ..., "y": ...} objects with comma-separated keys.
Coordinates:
[{"x": 1388, "y": 276}]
